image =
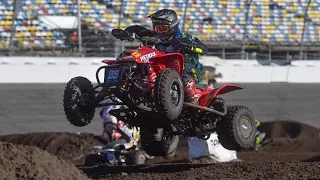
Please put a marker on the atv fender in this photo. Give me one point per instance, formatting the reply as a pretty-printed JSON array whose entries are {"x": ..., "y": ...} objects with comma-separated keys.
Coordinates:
[
  {"x": 170, "y": 60},
  {"x": 226, "y": 88}
]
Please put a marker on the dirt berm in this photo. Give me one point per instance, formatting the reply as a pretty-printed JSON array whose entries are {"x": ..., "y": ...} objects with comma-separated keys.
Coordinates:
[
  {"x": 26, "y": 162},
  {"x": 69, "y": 146},
  {"x": 292, "y": 152}
]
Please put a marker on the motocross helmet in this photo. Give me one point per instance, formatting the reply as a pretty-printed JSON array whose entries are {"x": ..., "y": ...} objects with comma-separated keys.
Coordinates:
[{"x": 165, "y": 23}]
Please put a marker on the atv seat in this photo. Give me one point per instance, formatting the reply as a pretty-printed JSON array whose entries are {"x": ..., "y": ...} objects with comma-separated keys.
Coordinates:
[{"x": 202, "y": 87}]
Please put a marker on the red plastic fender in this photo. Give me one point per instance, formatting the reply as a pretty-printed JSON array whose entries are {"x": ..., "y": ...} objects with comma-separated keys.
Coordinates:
[{"x": 226, "y": 88}]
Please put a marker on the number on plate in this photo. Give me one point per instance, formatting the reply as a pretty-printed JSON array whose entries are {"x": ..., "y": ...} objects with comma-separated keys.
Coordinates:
[{"x": 113, "y": 74}]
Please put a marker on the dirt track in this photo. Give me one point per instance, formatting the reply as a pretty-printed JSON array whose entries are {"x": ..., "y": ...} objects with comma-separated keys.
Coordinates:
[{"x": 293, "y": 152}]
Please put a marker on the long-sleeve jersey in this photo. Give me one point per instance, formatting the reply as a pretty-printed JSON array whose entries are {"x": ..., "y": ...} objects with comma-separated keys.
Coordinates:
[{"x": 192, "y": 66}]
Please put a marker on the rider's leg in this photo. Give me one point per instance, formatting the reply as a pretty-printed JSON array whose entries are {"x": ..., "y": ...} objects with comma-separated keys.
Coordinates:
[
  {"x": 105, "y": 136},
  {"x": 110, "y": 127}
]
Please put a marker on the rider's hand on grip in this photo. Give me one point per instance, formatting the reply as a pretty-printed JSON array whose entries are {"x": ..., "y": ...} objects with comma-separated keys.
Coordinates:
[
  {"x": 150, "y": 40},
  {"x": 197, "y": 50}
]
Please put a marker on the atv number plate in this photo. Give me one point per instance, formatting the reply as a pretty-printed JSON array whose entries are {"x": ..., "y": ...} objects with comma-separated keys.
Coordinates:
[{"x": 112, "y": 75}]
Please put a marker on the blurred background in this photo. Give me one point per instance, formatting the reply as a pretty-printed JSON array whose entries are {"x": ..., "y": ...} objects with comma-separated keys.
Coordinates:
[{"x": 271, "y": 30}]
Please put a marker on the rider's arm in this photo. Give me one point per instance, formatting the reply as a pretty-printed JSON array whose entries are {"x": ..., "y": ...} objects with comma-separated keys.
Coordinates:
[
  {"x": 198, "y": 46},
  {"x": 127, "y": 133}
]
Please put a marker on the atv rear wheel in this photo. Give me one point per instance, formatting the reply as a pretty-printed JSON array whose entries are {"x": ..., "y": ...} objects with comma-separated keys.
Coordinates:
[
  {"x": 92, "y": 160},
  {"x": 236, "y": 130},
  {"x": 169, "y": 94},
  {"x": 78, "y": 92},
  {"x": 136, "y": 158},
  {"x": 159, "y": 141}
]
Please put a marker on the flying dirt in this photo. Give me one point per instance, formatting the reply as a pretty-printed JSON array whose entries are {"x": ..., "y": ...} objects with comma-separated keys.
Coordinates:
[{"x": 291, "y": 151}]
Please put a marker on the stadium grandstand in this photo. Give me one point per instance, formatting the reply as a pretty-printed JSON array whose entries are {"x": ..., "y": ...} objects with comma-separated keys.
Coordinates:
[{"x": 245, "y": 29}]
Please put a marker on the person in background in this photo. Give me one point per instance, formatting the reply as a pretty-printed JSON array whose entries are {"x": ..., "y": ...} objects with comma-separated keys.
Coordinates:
[
  {"x": 259, "y": 137},
  {"x": 116, "y": 132},
  {"x": 74, "y": 41}
]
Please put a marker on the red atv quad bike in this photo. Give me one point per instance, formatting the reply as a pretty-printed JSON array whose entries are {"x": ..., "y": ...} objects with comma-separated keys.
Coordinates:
[{"x": 149, "y": 85}]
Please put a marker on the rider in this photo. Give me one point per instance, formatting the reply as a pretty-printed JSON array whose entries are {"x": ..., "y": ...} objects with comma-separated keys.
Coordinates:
[
  {"x": 116, "y": 132},
  {"x": 166, "y": 25}
]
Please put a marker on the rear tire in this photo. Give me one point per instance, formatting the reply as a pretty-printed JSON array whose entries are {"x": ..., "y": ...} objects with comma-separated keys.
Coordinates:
[
  {"x": 91, "y": 160},
  {"x": 157, "y": 141},
  {"x": 78, "y": 89},
  {"x": 169, "y": 94},
  {"x": 237, "y": 130}
]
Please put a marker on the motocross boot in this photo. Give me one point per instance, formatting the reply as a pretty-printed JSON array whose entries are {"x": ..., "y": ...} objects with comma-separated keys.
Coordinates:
[{"x": 190, "y": 91}]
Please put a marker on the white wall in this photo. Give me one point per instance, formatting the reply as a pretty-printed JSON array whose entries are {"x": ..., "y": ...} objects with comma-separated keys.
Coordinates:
[{"x": 62, "y": 69}]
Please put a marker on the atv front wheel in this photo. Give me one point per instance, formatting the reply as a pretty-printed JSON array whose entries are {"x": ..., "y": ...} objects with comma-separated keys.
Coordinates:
[
  {"x": 78, "y": 92},
  {"x": 237, "y": 130},
  {"x": 169, "y": 94},
  {"x": 159, "y": 141}
]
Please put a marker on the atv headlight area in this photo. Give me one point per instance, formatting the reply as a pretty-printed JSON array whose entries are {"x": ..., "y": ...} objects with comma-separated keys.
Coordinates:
[{"x": 115, "y": 75}]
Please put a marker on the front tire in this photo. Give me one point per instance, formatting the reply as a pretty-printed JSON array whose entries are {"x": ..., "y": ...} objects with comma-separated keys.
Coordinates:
[
  {"x": 77, "y": 93},
  {"x": 169, "y": 94},
  {"x": 237, "y": 130}
]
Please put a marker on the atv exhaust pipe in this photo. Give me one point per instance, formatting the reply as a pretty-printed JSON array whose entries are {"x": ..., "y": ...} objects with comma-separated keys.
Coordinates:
[{"x": 208, "y": 109}]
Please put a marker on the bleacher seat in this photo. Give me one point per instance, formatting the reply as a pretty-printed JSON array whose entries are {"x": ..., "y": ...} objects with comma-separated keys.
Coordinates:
[{"x": 275, "y": 22}]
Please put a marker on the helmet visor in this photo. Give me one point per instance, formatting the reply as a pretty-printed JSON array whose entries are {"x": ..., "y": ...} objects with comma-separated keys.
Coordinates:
[{"x": 161, "y": 28}]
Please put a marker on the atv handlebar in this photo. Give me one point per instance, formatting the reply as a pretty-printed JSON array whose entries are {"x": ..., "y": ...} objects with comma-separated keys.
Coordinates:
[{"x": 148, "y": 40}]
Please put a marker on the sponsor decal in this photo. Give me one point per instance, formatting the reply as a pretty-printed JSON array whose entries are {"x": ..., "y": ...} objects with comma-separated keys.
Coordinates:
[
  {"x": 145, "y": 58},
  {"x": 189, "y": 85},
  {"x": 136, "y": 54},
  {"x": 214, "y": 142}
]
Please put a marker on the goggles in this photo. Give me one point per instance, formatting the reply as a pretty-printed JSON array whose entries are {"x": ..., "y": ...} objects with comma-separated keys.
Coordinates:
[{"x": 161, "y": 28}]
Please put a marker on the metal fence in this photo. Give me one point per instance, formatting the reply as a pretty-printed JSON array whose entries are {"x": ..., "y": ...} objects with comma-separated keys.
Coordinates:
[{"x": 93, "y": 42}]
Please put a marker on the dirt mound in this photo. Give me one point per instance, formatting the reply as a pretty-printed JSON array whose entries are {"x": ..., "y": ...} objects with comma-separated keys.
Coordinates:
[
  {"x": 69, "y": 146},
  {"x": 25, "y": 162},
  {"x": 290, "y": 136},
  {"x": 233, "y": 170}
]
